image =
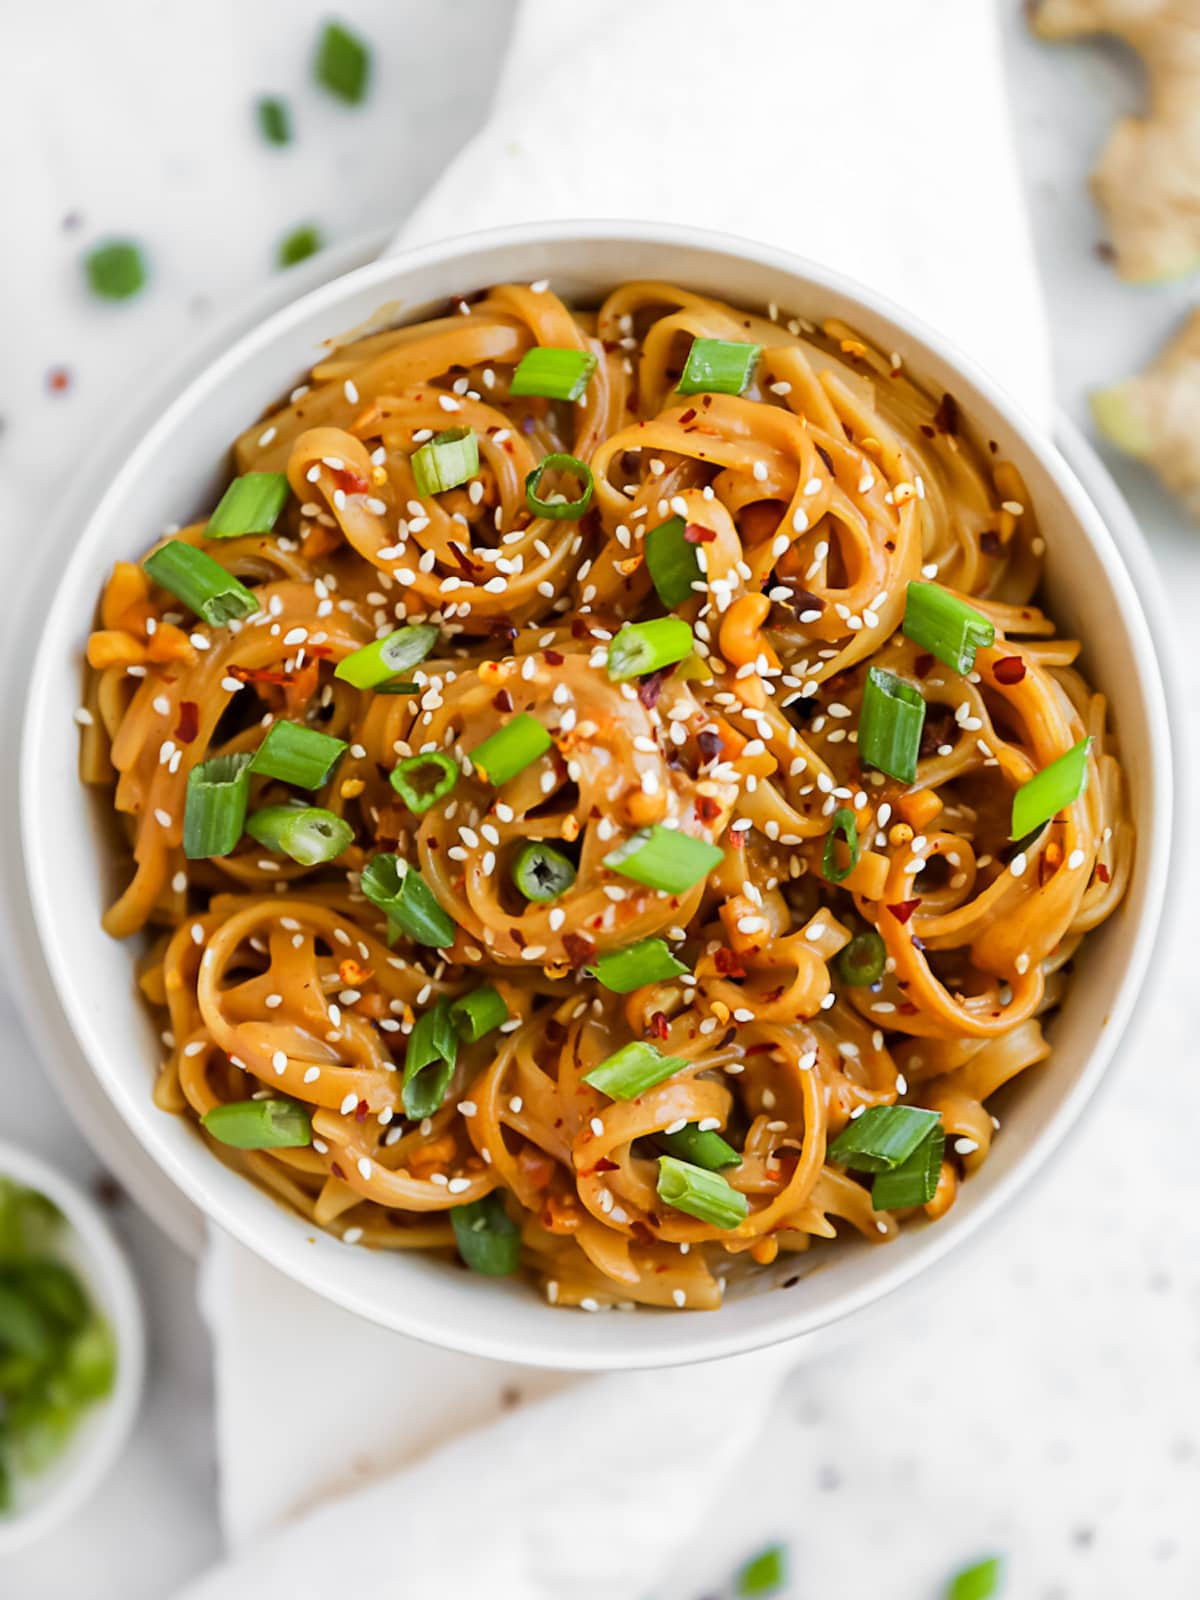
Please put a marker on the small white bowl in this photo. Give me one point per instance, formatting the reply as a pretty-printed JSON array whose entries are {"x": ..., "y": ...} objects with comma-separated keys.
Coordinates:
[
  {"x": 177, "y": 470},
  {"x": 45, "y": 1499}
]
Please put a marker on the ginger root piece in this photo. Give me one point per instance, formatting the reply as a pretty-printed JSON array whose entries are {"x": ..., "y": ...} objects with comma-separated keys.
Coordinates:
[
  {"x": 1148, "y": 178},
  {"x": 1156, "y": 415}
]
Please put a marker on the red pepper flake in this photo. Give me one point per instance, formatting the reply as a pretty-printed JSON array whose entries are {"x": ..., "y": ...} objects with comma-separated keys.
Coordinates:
[
  {"x": 708, "y": 809},
  {"x": 360, "y": 1111},
  {"x": 904, "y": 909},
  {"x": 502, "y": 700},
  {"x": 58, "y": 380},
  {"x": 728, "y": 964},
  {"x": 579, "y": 948},
  {"x": 553, "y": 658},
  {"x": 758, "y": 1049},
  {"x": 696, "y": 533},
  {"x": 989, "y": 543},
  {"x": 709, "y": 743},
  {"x": 688, "y": 416},
  {"x": 1103, "y": 873},
  {"x": 658, "y": 1027},
  {"x": 465, "y": 564},
  {"x": 348, "y": 480},
  {"x": 1009, "y": 669},
  {"x": 945, "y": 418},
  {"x": 188, "y": 725},
  {"x": 924, "y": 664},
  {"x": 651, "y": 686},
  {"x": 260, "y": 675},
  {"x": 336, "y": 1169},
  {"x": 603, "y": 1164},
  {"x": 826, "y": 458}
]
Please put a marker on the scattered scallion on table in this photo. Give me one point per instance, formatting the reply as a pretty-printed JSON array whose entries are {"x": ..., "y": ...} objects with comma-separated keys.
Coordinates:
[
  {"x": 301, "y": 243},
  {"x": 297, "y": 754},
  {"x": 488, "y": 1240},
  {"x": 116, "y": 270},
  {"x": 664, "y": 859},
  {"x": 343, "y": 63},
  {"x": 889, "y": 725},
  {"x": 719, "y": 366},
  {"x": 764, "y": 1574},
  {"x": 259, "y": 1124},
  {"x": 214, "y": 812},
  {"x": 1051, "y": 790},
  {"x": 946, "y": 626},
  {"x": 377, "y": 663},
  {"x": 201, "y": 583},
  {"x": 251, "y": 504},
  {"x": 980, "y": 1581},
  {"x": 702, "y": 1194},
  {"x": 310, "y": 835},
  {"x": 555, "y": 374},
  {"x": 274, "y": 119}
]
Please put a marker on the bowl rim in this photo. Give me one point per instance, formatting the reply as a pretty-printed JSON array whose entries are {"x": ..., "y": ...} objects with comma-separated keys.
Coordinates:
[
  {"x": 686, "y": 1343},
  {"x": 93, "y": 1449}
]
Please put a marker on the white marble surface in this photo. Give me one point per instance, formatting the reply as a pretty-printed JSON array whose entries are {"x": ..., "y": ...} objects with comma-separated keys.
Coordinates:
[{"x": 1040, "y": 1398}]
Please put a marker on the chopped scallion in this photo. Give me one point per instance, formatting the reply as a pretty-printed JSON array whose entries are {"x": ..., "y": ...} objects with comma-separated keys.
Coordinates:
[
  {"x": 623, "y": 971},
  {"x": 542, "y": 873},
  {"x": 251, "y": 504},
  {"x": 556, "y": 374},
  {"x": 429, "y": 1060},
  {"x": 115, "y": 270},
  {"x": 883, "y": 1138},
  {"x": 664, "y": 859},
  {"x": 1051, "y": 790},
  {"x": 558, "y": 508},
  {"x": 915, "y": 1180},
  {"x": 214, "y": 811},
  {"x": 718, "y": 366},
  {"x": 765, "y": 1574},
  {"x": 410, "y": 904},
  {"x": 343, "y": 63},
  {"x": 860, "y": 963},
  {"x": 980, "y": 1581},
  {"x": 642, "y": 647},
  {"x": 889, "y": 725},
  {"x": 310, "y": 835},
  {"x": 297, "y": 754},
  {"x": 201, "y": 583},
  {"x": 450, "y": 458},
  {"x": 700, "y": 1193},
  {"x": 259, "y": 1124},
  {"x": 488, "y": 1240},
  {"x": 274, "y": 119},
  {"x": 422, "y": 780},
  {"x": 843, "y": 829},
  {"x": 631, "y": 1070},
  {"x": 946, "y": 626},
  {"x": 672, "y": 561},
  {"x": 510, "y": 749},
  {"x": 703, "y": 1147},
  {"x": 301, "y": 243},
  {"x": 375, "y": 664},
  {"x": 477, "y": 1013}
]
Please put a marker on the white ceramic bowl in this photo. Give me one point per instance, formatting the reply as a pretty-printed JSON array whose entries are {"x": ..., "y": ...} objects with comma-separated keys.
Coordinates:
[
  {"x": 176, "y": 471},
  {"x": 46, "y": 1499}
]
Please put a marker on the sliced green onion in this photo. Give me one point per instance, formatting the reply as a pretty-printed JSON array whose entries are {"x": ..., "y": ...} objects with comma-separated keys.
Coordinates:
[
  {"x": 376, "y": 663},
  {"x": 719, "y": 366},
  {"x": 478, "y": 1013},
  {"x": 214, "y": 811},
  {"x": 860, "y": 963},
  {"x": 883, "y": 1138},
  {"x": 632, "y": 1069},
  {"x": 448, "y": 459},
  {"x": 703, "y": 1147},
  {"x": 308, "y": 834},
  {"x": 429, "y": 1061},
  {"x": 200, "y": 582},
  {"x": 981, "y": 1581},
  {"x": 542, "y": 873},
  {"x": 889, "y": 725},
  {"x": 623, "y": 971},
  {"x": 259, "y": 1124},
  {"x": 115, "y": 270},
  {"x": 510, "y": 749},
  {"x": 274, "y": 119},
  {"x": 672, "y": 562},
  {"x": 407, "y": 899},
  {"x": 296, "y": 754},
  {"x": 915, "y": 1180},
  {"x": 397, "y": 686},
  {"x": 298, "y": 246},
  {"x": 343, "y": 63},
  {"x": 488, "y": 1240},
  {"x": 251, "y": 504},
  {"x": 946, "y": 626},
  {"x": 664, "y": 859},
  {"x": 765, "y": 1574},
  {"x": 843, "y": 827},
  {"x": 556, "y": 374},
  {"x": 642, "y": 647},
  {"x": 1053, "y": 789},
  {"x": 559, "y": 509},
  {"x": 422, "y": 780},
  {"x": 702, "y": 1194}
]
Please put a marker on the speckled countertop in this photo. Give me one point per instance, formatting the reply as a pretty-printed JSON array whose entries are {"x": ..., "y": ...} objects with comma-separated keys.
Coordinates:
[{"x": 1041, "y": 1396}]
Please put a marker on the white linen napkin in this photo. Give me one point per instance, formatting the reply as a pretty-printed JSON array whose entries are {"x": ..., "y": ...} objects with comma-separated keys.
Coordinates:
[{"x": 873, "y": 137}]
